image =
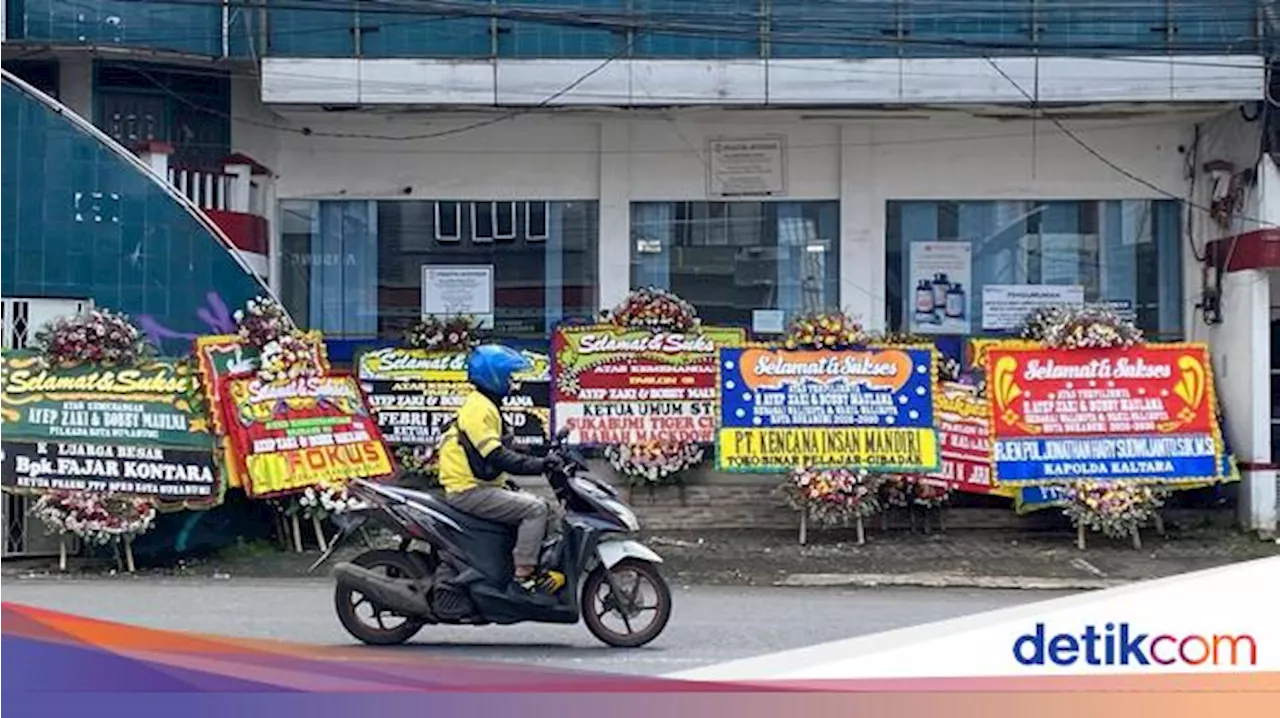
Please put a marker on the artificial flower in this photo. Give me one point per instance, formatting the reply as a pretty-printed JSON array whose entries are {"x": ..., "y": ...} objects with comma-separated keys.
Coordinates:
[
  {"x": 97, "y": 519},
  {"x": 656, "y": 310},
  {"x": 262, "y": 321},
  {"x": 654, "y": 462},
  {"x": 1087, "y": 327},
  {"x": 825, "y": 331},
  {"x": 98, "y": 335},
  {"x": 1115, "y": 509},
  {"x": 832, "y": 496},
  {"x": 459, "y": 333}
]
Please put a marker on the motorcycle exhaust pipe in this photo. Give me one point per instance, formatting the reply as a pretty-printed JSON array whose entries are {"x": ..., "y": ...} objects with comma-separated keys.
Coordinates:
[{"x": 394, "y": 594}]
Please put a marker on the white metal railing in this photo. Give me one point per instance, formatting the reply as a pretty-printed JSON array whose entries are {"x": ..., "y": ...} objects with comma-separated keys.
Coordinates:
[{"x": 207, "y": 190}]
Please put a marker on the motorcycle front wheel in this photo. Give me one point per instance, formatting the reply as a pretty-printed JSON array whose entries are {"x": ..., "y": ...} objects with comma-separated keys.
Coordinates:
[
  {"x": 366, "y": 621},
  {"x": 637, "y": 615}
]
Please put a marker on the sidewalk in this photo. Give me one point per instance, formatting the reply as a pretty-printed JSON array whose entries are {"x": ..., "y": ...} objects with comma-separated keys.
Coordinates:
[
  {"x": 979, "y": 559},
  {"x": 976, "y": 559}
]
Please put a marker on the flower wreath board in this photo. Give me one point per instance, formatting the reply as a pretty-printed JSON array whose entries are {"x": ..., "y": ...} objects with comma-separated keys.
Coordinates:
[
  {"x": 415, "y": 392},
  {"x": 641, "y": 385},
  {"x": 229, "y": 355},
  {"x": 1100, "y": 422},
  {"x": 868, "y": 407},
  {"x": 134, "y": 429},
  {"x": 103, "y": 432},
  {"x": 292, "y": 433},
  {"x": 834, "y": 410}
]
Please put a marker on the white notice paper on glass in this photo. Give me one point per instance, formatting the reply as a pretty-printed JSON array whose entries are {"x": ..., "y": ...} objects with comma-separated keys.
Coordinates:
[
  {"x": 448, "y": 291},
  {"x": 768, "y": 321},
  {"x": 1006, "y": 306}
]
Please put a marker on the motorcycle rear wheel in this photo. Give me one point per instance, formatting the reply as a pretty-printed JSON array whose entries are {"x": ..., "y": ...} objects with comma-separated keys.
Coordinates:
[
  {"x": 346, "y": 601},
  {"x": 594, "y": 611}
]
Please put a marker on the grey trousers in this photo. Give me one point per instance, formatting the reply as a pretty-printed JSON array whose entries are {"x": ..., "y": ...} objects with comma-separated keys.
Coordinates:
[{"x": 508, "y": 507}]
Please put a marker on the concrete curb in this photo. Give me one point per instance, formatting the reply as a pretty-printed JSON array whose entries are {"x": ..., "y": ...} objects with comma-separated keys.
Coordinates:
[{"x": 943, "y": 580}]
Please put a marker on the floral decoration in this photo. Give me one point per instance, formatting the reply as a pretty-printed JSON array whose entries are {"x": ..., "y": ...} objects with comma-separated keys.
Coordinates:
[
  {"x": 417, "y": 459},
  {"x": 825, "y": 331},
  {"x": 97, "y": 519},
  {"x": 654, "y": 462},
  {"x": 98, "y": 335},
  {"x": 949, "y": 369},
  {"x": 929, "y": 494},
  {"x": 288, "y": 358},
  {"x": 1113, "y": 508},
  {"x": 262, "y": 321},
  {"x": 656, "y": 310},
  {"x": 458, "y": 333},
  {"x": 1088, "y": 327},
  {"x": 322, "y": 501},
  {"x": 905, "y": 490},
  {"x": 832, "y": 497}
]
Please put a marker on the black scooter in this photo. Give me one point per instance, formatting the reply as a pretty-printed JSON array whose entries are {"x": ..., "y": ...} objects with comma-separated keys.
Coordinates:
[{"x": 453, "y": 568}]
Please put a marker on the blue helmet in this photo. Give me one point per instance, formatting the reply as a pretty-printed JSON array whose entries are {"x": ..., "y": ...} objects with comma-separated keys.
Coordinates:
[{"x": 490, "y": 367}]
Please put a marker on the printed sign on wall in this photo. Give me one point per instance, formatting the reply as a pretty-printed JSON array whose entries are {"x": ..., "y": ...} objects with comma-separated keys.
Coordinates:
[
  {"x": 1142, "y": 413},
  {"x": 784, "y": 409},
  {"x": 1005, "y": 306},
  {"x": 624, "y": 386},
  {"x": 940, "y": 287}
]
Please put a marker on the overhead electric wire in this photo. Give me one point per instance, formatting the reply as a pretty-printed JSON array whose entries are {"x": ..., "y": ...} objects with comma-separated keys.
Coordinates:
[
  {"x": 423, "y": 11},
  {"x": 824, "y": 30},
  {"x": 437, "y": 9},
  {"x": 1101, "y": 157}
]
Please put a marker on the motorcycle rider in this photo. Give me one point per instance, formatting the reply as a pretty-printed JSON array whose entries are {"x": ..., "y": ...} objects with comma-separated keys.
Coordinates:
[{"x": 474, "y": 463}]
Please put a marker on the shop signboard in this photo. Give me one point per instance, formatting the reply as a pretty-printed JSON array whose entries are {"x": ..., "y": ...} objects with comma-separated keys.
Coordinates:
[
  {"x": 161, "y": 473},
  {"x": 291, "y": 435},
  {"x": 415, "y": 393},
  {"x": 868, "y": 408},
  {"x": 612, "y": 385},
  {"x": 1143, "y": 413},
  {"x": 963, "y": 420}
]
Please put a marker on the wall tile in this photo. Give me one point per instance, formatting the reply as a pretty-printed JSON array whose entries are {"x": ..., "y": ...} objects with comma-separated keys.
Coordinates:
[{"x": 72, "y": 227}]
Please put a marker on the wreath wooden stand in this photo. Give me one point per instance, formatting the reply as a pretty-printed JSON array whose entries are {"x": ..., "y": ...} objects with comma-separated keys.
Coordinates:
[
  {"x": 858, "y": 526},
  {"x": 1135, "y": 534}
]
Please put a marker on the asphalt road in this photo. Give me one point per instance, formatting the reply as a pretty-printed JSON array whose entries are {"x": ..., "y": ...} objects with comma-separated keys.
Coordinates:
[{"x": 709, "y": 624}]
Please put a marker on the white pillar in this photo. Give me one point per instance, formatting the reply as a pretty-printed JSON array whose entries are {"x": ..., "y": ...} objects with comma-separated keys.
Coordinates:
[
  {"x": 241, "y": 185},
  {"x": 156, "y": 156},
  {"x": 614, "y": 278},
  {"x": 1241, "y": 348},
  {"x": 275, "y": 261},
  {"x": 861, "y": 253}
]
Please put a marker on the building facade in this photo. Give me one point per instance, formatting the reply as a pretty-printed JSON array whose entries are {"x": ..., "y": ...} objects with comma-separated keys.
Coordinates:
[{"x": 760, "y": 158}]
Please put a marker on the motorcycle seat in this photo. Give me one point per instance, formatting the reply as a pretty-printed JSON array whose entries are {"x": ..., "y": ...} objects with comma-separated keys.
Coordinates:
[{"x": 465, "y": 520}]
